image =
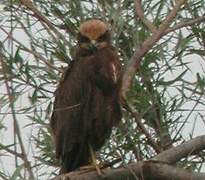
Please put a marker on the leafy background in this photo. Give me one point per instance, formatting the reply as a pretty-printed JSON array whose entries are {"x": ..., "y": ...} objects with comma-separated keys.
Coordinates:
[{"x": 166, "y": 100}]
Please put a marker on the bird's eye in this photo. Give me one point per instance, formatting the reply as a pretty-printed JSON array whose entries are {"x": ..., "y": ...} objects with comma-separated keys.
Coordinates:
[
  {"x": 84, "y": 39},
  {"x": 103, "y": 37}
]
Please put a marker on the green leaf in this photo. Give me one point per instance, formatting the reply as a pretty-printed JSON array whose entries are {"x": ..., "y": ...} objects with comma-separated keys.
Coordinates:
[
  {"x": 168, "y": 83},
  {"x": 17, "y": 57}
]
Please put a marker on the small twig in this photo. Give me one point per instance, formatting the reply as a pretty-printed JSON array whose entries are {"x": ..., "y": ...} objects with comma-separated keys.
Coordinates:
[
  {"x": 20, "y": 155},
  {"x": 34, "y": 53},
  {"x": 185, "y": 24},
  {"x": 143, "y": 129},
  {"x": 187, "y": 118},
  {"x": 9, "y": 89},
  {"x": 141, "y": 15},
  {"x": 41, "y": 17},
  {"x": 135, "y": 150},
  {"x": 109, "y": 164}
]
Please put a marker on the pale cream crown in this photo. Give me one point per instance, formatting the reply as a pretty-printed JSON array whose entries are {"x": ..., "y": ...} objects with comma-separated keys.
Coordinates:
[{"x": 93, "y": 28}]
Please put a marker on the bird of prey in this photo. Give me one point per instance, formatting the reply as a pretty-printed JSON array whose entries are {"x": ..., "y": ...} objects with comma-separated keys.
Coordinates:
[{"x": 87, "y": 103}]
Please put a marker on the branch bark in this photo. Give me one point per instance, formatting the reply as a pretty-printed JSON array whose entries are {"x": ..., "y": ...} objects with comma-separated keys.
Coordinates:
[
  {"x": 141, "y": 15},
  {"x": 145, "y": 171},
  {"x": 187, "y": 148},
  {"x": 155, "y": 168},
  {"x": 153, "y": 171},
  {"x": 190, "y": 22}
]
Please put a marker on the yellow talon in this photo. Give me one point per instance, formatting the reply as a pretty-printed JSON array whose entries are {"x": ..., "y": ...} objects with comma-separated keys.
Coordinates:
[{"x": 94, "y": 161}]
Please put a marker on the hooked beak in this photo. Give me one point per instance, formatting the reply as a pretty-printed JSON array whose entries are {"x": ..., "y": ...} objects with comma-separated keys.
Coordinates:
[
  {"x": 93, "y": 45},
  {"x": 93, "y": 42}
]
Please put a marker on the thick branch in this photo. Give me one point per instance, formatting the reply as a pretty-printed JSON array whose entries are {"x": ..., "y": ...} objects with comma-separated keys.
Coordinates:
[
  {"x": 147, "y": 170},
  {"x": 159, "y": 171},
  {"x": 146, "y": 46},
  {"x": 188, "y": 148},
  {"x": 155, "y": 169}
]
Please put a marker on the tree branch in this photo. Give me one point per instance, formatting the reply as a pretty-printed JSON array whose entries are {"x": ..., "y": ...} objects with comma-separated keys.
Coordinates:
[
  {"x": 146, "y": 46},
  {"x": 142, "y": 128},
  {"x": 147, "y": 170},
  {"x": 187, "y": 148},
  {"x": 141, "y": 15},
  {"x": 157, "y": 170},
  {"x": 6, "y": 148},
  {"x": 185, "y": 24}
]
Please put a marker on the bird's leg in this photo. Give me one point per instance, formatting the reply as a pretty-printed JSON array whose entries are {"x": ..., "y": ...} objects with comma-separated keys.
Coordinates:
[{"x": 94, "y": 161}]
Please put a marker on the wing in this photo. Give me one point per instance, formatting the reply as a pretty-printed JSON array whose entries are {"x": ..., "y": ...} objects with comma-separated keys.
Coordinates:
[
  {"x": 57, "y": 95},
  {"x": 106, "y": 72},
  {"x": 62, "y": 109},
  {"x": 66, "y": 120}
]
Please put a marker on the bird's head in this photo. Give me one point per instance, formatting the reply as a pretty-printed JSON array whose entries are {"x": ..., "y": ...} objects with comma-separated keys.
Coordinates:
[{"x": 93, "y": 35}]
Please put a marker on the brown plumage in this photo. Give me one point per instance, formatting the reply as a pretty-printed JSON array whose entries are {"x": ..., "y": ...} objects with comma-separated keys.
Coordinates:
[{"x": 87, "y": 104}]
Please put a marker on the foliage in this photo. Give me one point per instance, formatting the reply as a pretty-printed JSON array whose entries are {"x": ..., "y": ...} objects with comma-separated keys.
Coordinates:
[{"x": 166, "y": 97}]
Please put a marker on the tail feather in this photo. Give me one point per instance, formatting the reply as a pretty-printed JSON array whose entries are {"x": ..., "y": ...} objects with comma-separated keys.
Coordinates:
[{"x": 73, "y": 160}]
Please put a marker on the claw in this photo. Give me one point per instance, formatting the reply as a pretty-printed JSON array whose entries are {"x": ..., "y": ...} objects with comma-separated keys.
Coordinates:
[{"x": 94, "y": 161}]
